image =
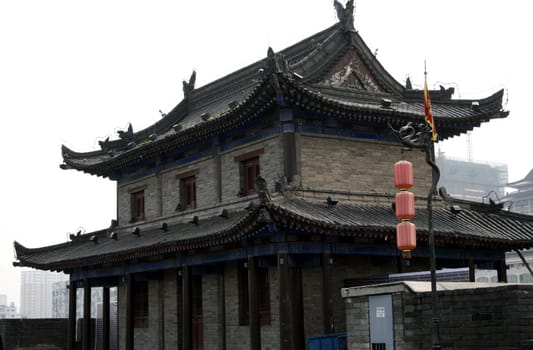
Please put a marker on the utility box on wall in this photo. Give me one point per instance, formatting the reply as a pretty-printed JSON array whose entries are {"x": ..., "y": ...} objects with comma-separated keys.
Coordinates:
[
  {"x": 381, "y": 323},
  {"x": 473, "y": 316}
]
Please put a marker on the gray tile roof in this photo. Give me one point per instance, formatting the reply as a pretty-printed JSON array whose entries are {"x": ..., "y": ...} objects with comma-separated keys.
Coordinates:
[{"x": 475, "y": 226}]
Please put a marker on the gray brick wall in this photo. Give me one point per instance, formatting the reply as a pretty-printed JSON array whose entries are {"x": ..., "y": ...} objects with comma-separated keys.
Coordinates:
[
  {"x": 270, "y": 333},
  {"x": 312, "y": 301},
  {"x": 345, "y": 267},
  {"x": 151, "y": 199},
  {"x": 205, "y": 185},
  {"x": 237, "y": 336},
  {"x": 149, "y": 338},
  {"x": 34, "y": 334},
  {"x": 270, "y": 163},
  {"x": 334, "y": 163},
  {"x": 212, "y": 317},
  {"x": 481, "y": 318},
  {"x": 170, "y": 309},
  {"x": 162, "y": 192},
  {"x": 357, "y": 323}
]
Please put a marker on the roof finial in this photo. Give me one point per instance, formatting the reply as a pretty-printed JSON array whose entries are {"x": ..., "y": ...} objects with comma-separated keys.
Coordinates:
[
  {"x": 345, "y": 14},
  {"x": 188, "y": 87}
]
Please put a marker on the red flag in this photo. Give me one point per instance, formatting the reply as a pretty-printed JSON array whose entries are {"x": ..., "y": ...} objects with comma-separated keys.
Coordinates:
[{"x": 428, "y": 113}]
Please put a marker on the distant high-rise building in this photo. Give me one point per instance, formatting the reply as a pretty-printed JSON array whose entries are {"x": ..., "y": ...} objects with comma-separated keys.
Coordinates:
[
  {"x": 472, "y": 180},
  {"x": 36, "y": 293},
  {"x": 522, "y": 198},
  {"x": 8, "y": 311},
  {"x": 3, "y": 299}
]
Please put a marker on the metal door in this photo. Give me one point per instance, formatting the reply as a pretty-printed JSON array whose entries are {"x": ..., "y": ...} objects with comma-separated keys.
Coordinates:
[{"x": 381, "y": 322}]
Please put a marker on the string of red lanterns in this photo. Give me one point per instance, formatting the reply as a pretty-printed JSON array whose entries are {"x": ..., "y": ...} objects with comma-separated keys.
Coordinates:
[{"x": 405, "y": 208}]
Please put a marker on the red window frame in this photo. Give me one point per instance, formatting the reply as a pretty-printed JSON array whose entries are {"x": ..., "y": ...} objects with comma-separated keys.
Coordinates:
[
  {"x": 187, "y": 185},
  {"x": 188, "y": 192},
  {"x": 140, "y": 304},
  {"x": 249, "y": 170},
  {"x": 137, "y": 205}
]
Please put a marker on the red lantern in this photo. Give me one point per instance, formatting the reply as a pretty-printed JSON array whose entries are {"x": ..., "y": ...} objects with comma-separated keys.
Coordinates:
[
  {"x": 406, "y": 236},
  {"x": 405, "y": 205},
  {"x": 403, "y": 175}
]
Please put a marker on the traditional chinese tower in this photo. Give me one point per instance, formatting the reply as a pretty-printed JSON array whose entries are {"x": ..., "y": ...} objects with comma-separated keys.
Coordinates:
[{"x": 243, "y": 211}]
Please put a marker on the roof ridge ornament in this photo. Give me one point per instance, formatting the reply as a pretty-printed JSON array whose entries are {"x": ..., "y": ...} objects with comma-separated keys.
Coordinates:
[
  {"x": 345, "y": 14},
  {"x": 276, "y": 64},
  {"x": 126, "y": 135},
  {"x": 262, "y": 190},
  {"x": 188, "y": 86}
]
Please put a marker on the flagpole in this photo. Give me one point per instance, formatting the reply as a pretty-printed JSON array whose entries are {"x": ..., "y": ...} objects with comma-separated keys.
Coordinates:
[
  {"x": 423, "y": 136},
  {"x": 435, "y": 175}
]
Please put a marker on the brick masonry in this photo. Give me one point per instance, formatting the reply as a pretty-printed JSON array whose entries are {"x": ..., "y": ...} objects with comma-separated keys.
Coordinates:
[
  {"x": 20, "y": 334},
  {"x": 482, "y": 318},
  {"x": 334, "y": 163},
  {"x": 162, "y": 191}
]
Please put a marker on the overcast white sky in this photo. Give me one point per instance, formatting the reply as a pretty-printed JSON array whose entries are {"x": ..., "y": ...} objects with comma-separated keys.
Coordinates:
[{"x": 74, "y": 72}]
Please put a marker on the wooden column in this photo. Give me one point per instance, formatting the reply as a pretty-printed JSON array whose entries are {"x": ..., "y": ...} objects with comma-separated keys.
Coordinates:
[
  {"x": 471, "y": 270},
  {"x": 253, "y": 305},
  {"x": 284, "y": 311},
  {"x": 129, "y": 311},
  {"x": 71, "y": 345},
  {"x": 327, "y": 296},
  {"x": 162, "y": 312},
  {"x": 222, "y": 307},
  {"x": 105, "y": 318},
  {"x": 86, "y": 341},
  {"x": 187, "y": 311},
  {"x": 296, "y": 309},
  {"x": 502, "y": 271},
  {"x": 179, "y": 309}
]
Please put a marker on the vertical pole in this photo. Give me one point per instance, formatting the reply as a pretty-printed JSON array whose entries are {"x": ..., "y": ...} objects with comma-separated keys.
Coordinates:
[
  {"x": 162, "y": 312},
  {"x": 129, "y": 311},
  {"x": 435, "y": 175},
  {"x": 327, "y": 297},
  {"x": 187, "y": 310},
  {"x": 222, "y": 307},
  {"x": 106, "y": 318},
  {"x": 502, "y": 271},
  {"x": 471, "y": 270},
  {"x": 253, "y": 305},
  {"x": 179, "y": 309},
  {"x": 86, "y": 341},
  {"x": 72, "y": 315},
  {"x": 296, "y": 309},
  {"x": 284, "y": 315}
]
